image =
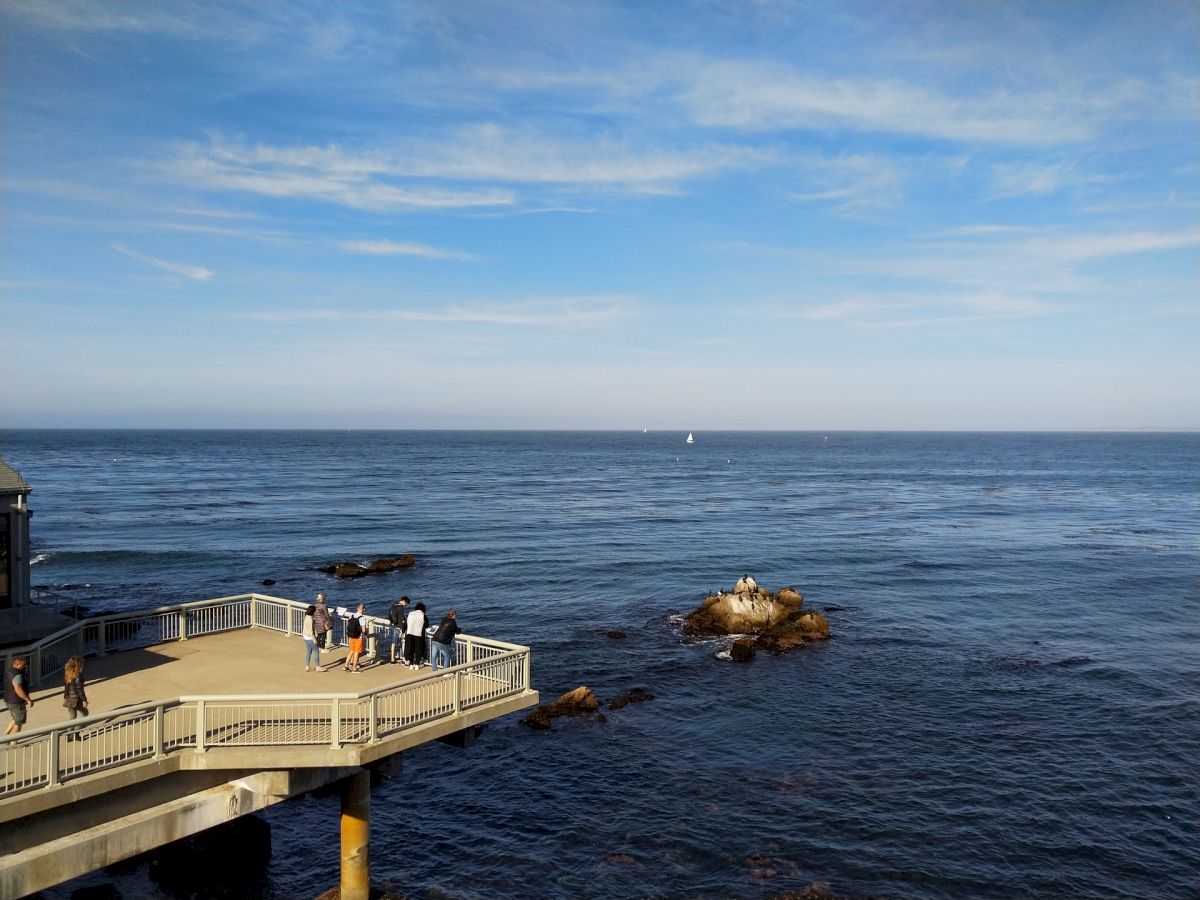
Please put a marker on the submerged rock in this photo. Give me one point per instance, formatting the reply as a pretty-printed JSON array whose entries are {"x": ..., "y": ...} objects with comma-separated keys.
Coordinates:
[
  {"x": 635, "y": 695},
  {"x": 775, "y": 622},
  {"x": 616, "y": 635}
]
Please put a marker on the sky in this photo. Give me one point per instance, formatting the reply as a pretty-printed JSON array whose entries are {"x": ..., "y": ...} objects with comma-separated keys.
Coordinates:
[{"x": 694, "y": 215}]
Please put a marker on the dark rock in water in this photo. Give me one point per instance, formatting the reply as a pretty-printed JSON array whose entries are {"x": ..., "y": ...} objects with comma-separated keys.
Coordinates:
[
  {"x": 602, "y": 718},
  {"x": 616, "y": 635},
  {"x": 573, "y": 703},
  {"x": 634, "y": 695},
  {"x": 741, "y": 650},
  {"x": 96, "y": 892},
  {"x": 377, "y": 567},
  {"x": 819, "y": 890},
  {"x": 832, "y": 608},
  {"x": 335, "y": 893},
  {"x": 392, "y": 563},
  {"x": 200, "y": 865},
  {"x": 268, "y": 581},
  {"x": 776, "y": 622},
  {"x": 619, "y": 859}
]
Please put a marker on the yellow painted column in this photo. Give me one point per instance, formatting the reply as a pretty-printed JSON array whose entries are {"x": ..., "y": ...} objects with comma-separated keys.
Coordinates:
[{"x": 356, "y": 836}]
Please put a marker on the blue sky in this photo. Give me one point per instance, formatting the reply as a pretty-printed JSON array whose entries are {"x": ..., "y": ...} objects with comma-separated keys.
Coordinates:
[{"x": 600, "y": 215}]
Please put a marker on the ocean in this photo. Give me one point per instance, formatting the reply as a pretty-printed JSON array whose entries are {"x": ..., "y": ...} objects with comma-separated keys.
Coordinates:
[{"x": 1008, "y": 706}]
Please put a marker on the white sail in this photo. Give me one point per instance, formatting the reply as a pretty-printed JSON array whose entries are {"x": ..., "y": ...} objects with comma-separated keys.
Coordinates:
[{"x": 691, "y": 440}]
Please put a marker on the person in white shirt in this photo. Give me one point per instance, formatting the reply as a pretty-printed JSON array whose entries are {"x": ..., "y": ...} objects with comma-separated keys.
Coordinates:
[
  {"x": 312, "y": 659},
  {"x": 414, "y": 637}
]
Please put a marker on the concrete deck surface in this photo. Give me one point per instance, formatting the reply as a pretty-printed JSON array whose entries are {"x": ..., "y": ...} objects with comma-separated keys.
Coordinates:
[{"x": 246, "y": 661}]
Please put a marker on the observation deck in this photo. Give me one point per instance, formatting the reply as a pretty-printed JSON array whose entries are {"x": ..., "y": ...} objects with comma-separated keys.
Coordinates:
[{"x": 204, "y": 712}]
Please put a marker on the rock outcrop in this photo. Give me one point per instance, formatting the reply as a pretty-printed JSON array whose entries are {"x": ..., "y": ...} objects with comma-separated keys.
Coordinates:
[
  {"x": 377, "y": 567},
  {"x": 580, "y": 700},
  {"x": 742, "y": 650},
  {"x": 775, "y": 622}
]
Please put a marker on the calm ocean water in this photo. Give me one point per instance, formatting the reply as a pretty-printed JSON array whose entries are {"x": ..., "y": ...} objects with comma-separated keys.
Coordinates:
[{"x": 1009, "y": 706}]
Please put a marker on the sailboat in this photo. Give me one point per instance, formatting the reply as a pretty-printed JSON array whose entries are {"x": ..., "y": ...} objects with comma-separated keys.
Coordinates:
[{"x": 690, "y": 440}]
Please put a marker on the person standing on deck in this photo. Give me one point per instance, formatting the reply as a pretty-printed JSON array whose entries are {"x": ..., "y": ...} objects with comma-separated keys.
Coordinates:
[
  {"x": 74, "y": 696},
  {"x": 414, "y": 637},
  {"x": 442, "y": 642},
  {"x": 16, "y": 694},
  {"x": 322, "y": 625},
  {"x": 354, "y": 636},
  {"x": 397, "y": 615},
  {"x": 312, "y": 657}
]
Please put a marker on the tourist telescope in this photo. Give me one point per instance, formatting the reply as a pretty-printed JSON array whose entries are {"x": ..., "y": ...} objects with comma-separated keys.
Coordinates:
[{"x": 207, "y": 717}]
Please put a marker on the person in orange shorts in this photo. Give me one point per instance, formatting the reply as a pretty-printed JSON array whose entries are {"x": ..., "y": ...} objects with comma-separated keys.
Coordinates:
[{"x": 354, "y": 635}]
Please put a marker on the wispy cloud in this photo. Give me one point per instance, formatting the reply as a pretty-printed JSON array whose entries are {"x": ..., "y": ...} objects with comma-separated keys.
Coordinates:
[
  {"x": 852, "y": 185},
  {"x": 761, "y": 96},
  {"x": 907, "y": 310},
  {"x": 498, "y": 153},
  {"x": 983, "y": 229},
  {"x": 1020, "y": 179},
  {"x": 414, "y": 174},
  {"x": 319, "y": 173},
  {"x": 195, "y": 273},
  {"x": 1047, "y": 264},
  {"x": 392, "y": 248},
  {"x": 575, "y": 312}
]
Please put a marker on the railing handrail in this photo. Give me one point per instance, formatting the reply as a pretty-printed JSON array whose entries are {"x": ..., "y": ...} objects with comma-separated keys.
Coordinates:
[
  {"x": 7, "y": 654},
  {"x": 249, "y": 699}
]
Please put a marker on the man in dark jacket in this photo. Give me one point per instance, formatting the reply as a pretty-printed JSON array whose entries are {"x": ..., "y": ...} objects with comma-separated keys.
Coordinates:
[
  {"x": 396, "y": 615},
  {"x": 443, "y": 642}
]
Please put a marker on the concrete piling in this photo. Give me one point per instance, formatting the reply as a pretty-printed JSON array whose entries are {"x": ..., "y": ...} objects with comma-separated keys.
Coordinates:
[{"x": 356, "y": 835}]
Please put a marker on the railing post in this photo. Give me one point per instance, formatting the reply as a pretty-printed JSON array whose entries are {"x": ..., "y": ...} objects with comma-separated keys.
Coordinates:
[
  {"x": 457, "y": 694},
  {"x": 183, "y": 635},
  {"x": 470, "y": 651},
  {"x": 253, "y": 612},
  {"x": 159, "y": 733},
  {"x": 52, "y": 762},
  {"x": 200, "y": 726},
  {"x": 336, "y": 722},
  {"x": 102, "y": 637},
  {"x": 37, "y": 665},
  {"x": 373, "y": 734},
  {"x": 528, "y": 678}
]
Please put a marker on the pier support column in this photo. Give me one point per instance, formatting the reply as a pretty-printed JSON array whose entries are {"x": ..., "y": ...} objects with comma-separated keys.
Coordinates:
[{"x": 356, "y": 835}]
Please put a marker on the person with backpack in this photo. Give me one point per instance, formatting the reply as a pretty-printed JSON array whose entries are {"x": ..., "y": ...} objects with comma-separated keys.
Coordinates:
[
  {"x": 354, "y": 637},
  {"x": 397, "y": 614}
]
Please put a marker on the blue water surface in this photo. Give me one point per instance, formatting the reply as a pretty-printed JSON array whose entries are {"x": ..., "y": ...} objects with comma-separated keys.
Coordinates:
[{"x": 1008, "y": 707}]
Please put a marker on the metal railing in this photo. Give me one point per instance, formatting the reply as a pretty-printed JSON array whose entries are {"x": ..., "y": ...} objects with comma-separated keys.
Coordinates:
[{"x": 487, "y": 671}]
